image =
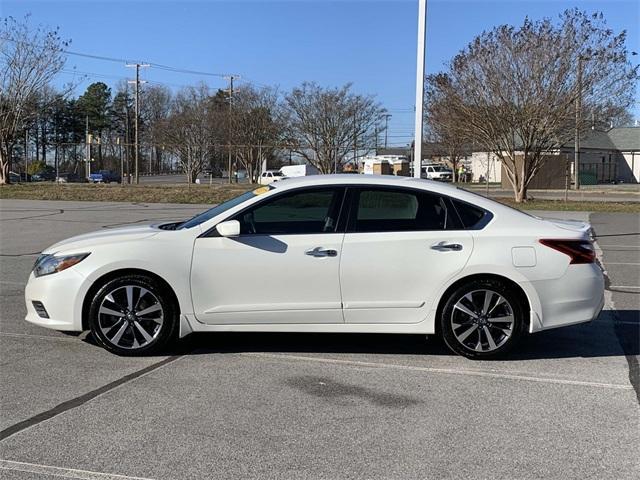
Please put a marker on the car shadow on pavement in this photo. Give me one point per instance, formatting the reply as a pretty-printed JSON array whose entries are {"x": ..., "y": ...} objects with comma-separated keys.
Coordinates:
[{"x": 616, "y": 333}]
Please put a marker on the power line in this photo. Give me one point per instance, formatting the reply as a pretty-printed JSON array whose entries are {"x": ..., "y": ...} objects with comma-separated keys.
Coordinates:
[
  {"x": 124, "y": 60},
  {"x": 117, "y": 77}
]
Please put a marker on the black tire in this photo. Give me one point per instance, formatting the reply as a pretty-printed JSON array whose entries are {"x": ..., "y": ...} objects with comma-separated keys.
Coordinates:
[
  {"x": 141, "y": 334},
  {"x": 489, "y": 334}
]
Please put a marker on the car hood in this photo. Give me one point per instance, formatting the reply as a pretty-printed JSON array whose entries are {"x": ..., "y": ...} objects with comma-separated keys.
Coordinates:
[{"x": 109, "y": 235}]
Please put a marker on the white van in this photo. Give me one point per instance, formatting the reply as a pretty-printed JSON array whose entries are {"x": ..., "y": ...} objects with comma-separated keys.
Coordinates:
[{"x": 299, "y": 170}]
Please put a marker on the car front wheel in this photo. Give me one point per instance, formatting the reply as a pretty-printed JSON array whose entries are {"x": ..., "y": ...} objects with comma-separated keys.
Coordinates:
[
  {"x": 133, "y": 315},
  {"x": 483, "y": 319}
]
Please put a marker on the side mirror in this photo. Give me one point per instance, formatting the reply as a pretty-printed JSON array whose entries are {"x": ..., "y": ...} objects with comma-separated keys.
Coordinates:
[{"x": 230, "y": 228}]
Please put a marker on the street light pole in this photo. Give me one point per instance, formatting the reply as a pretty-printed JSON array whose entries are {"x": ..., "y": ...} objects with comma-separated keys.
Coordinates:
[{"x": 417, "y": 143}]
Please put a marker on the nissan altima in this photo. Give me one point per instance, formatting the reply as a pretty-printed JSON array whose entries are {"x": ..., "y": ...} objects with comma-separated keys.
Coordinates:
[{"x": 327, "y": 253}]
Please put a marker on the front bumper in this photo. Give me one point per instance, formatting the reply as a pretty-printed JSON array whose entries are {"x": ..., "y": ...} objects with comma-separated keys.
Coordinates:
[{"x": 61, "y": 294}]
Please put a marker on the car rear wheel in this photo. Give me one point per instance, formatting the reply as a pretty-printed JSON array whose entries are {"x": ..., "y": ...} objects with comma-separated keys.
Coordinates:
[
  {"x": 483, "y": 319},
  {"x": 133, "y": 315}
]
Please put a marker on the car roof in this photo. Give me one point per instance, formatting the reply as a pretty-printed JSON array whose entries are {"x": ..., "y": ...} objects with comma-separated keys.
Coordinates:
[
  {"x": 360, "y": 179},
  {"x": 393, "y": 181}
]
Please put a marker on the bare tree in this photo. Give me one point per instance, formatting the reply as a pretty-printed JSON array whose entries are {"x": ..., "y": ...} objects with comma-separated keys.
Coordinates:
[
  {"x": 330, "y": 126},
  {"x": 515, "y": 90},
  {"x": 257, "y": 127},
  {"x": 188, "y": 131},
  {"x": 29, "y": 59},
  {"x": 444, "y": 127},
  {"x": 156, "y": 104}
]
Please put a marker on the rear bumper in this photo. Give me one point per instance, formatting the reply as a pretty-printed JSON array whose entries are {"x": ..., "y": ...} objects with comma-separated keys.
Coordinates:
[{"x": 576, "y": 297}]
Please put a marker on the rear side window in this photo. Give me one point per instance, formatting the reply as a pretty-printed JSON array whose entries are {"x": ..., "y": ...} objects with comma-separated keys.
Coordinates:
[
  {"x": 472, "y": 217},
  {"x": 390, "y": 210}
]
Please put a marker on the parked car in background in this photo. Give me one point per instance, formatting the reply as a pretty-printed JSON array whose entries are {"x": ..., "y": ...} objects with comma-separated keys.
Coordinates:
[
  {"x": 70, "y": 178},
  {"x": 14, "y": 177},
  {"x": 44, "y": 176},
  {"x": 270, "y": 176},
  {"x": 291, "y": 171},
  {"x": 326, "y": 253},
  {"x": 437, "y": 172},
  {"x": 104, "y": 176}
]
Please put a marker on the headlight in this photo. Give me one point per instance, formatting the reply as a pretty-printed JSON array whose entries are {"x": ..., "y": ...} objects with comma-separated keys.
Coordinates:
[{"x": 48, "y": 264}]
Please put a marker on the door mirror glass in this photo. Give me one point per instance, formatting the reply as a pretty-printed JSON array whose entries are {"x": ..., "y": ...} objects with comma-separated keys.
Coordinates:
[{"x": 230, "y": 228}]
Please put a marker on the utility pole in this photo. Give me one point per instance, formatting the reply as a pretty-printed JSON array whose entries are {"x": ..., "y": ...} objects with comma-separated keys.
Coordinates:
[
  {"x": 137, "y": 113},
  {"x": 417, "y": 142},
  {"x": 87, "y": 153},
  {"x": 376, "y": 141},
  {"x": 26, "y": 155},
  {"x": 576, "y": 147},
  {"x": 121, "y": 162},
  {"x": 355, "y": 140},
  {"x": 230, "y": 78},
  {"x": 386, "y": 116}
]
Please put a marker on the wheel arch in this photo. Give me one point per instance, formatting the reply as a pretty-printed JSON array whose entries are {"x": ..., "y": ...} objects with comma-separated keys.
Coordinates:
[
  {"x": 482, "y": 276},
  {"x": 103, "y": 279}
]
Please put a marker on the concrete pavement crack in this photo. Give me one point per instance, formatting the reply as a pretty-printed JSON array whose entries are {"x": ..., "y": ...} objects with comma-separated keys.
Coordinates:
[{"x": 82, "y": 399}]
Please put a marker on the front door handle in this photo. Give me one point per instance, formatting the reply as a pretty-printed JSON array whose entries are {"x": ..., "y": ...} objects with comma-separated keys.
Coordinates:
[
  {"x": 443, "y": 247},
  {"x": 320, "y": 252}
]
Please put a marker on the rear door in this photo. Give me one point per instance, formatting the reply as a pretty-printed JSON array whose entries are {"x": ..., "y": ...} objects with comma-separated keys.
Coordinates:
[{"x": 401, "y": 245}]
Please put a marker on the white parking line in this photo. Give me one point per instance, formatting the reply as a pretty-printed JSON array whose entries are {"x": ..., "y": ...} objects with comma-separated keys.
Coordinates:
[
  {"x": 63, "y": 472},
  {"x": 447, "y": 371}
]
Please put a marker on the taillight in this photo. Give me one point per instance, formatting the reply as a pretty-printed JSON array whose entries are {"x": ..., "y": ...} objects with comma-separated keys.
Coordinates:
[{"x": 580, "y": 251}]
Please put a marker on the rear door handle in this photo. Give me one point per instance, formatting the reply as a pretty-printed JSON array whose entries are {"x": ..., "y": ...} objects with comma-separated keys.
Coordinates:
[
  {"x": 320, "y": 252},
  {"x": 442, "y": 247}
]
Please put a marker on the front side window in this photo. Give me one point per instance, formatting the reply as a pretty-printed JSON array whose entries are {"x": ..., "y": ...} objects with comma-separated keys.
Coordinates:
[
  {"x": 388, "y": 210},
  {"x": 307, "y": 211}
]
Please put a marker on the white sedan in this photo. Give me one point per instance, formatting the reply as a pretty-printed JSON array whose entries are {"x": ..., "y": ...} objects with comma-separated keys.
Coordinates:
[{"x": 326, "y": 253}]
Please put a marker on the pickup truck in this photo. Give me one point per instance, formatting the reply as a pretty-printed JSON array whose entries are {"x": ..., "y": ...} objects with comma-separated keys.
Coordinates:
[{"x": 437, "y": 172}]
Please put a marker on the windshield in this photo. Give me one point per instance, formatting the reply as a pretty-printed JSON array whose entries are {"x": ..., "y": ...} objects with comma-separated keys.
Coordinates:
[
  {"x": 218, "y": 209},
  {"x": 277, "y": 174},
  {"x": 440, "y": 169}
]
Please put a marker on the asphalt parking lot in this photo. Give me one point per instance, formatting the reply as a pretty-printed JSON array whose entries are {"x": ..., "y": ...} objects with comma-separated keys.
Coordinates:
[{"x": 313, "y": 406}]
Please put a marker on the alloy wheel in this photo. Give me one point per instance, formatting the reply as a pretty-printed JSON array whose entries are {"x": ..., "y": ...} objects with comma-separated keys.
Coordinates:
[
  {"x": 482, "y": 320},
  {"x": 130, "y": 317}
]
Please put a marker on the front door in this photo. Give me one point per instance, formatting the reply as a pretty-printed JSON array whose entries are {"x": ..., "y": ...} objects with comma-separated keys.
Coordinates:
[
  {"x": 401, "y": 245},
  {"x": 283, "y": 268}
]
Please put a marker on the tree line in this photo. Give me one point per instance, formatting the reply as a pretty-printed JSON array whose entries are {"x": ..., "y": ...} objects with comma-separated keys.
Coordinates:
[
  {"x": 194, "y": 129},
  {"x": 520, "y": 93}
]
